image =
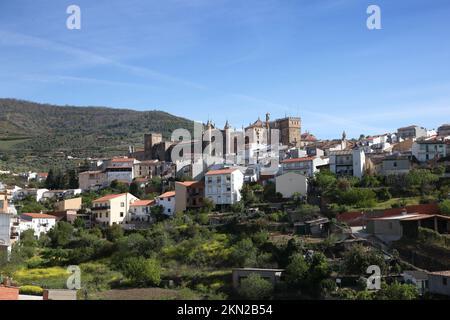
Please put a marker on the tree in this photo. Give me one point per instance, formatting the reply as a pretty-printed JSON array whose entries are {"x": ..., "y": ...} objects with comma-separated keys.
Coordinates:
[
  {"x": 244, "y": 253},
  {"x": 61, "y": 234},
  {"x": 208, "y": 205},
  {"x": 72, "y": 179},
  {"x": 360, "y": 197},
  {"x": 136, "y": 190},
  {"x": 50, "y": 180},
  {"x": 421, "y": 181},
  {"x": 444, "y": 206},
  {"x": 397, "y": 291},
  {"x": 114, "y": 232},
  {"x": 296, "y": 271},
  {"x": 142, "y": 271},
  {"x": 325, "y": 182},
  {"x": 238, "y": 207},
  {"x": 248, "y": 195},
  {"x": 79, "y": 223},
  {"x": 358, "y": 258},
  {"x": 255, "y": 288}
]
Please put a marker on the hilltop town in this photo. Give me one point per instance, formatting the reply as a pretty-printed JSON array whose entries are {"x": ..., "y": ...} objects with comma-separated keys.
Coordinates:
[{"x": 262, "y": 212}]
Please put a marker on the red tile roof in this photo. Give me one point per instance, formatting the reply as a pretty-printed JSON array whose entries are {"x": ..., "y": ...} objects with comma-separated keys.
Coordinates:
[
  {"x": 142, "y": 203},
  {"x": 167, "y": 194},
  {"x": 221, "y": 171},
  {"x": 109, "y": 197},
  {"x": 430, "y": 208},
  {"x": 38, "y": 216},
  {"x": 187, "y": 183},
  {"x": 298, "y": 159},
  {"x": 352, "y": 219}
]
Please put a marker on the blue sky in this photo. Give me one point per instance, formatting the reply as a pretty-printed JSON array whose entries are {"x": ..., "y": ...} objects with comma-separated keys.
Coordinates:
[{"x": 236, "y": 60}]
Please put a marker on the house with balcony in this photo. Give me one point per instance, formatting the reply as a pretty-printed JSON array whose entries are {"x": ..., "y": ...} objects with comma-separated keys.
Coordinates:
[
  {"x": 113, "y": 209},
  {"x": 306, "y": 166},
  {"x": 223, "y": 186},
  {"x": 9, "y": 231},
  {"x": 140, "y": 210}
]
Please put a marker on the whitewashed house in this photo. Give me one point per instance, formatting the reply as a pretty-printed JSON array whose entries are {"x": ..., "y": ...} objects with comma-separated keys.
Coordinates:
[
  {"x": 140, "y": 210},
  {"x": 113, "y": 209},
  {"x": 167, "y": 201},
  {"x": 38, "y": 222}
]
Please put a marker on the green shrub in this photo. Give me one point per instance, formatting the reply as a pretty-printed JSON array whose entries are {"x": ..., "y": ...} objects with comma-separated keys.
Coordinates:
[
  {"x": 255, "y": 288},
  {"x": 31, "y": 290}
]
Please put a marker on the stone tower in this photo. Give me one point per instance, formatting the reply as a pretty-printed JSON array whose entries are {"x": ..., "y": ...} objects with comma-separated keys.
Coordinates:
[{"x": 150, "y": 141}]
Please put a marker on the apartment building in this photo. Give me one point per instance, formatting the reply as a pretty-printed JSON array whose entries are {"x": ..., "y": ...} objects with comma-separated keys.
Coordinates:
[
  {"x": 348, "y": 162},
  {"x": 306, "y": 166},
  {"x": 223, "y": 186},
  {"x": 189, "y": 195},
  {"x": 113, "y": 209}
]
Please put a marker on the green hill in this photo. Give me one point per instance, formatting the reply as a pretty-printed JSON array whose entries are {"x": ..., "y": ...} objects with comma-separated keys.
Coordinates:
[{"x": 39, "y": 136}]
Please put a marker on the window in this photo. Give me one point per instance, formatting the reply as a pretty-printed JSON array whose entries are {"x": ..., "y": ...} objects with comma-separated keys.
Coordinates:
[
  {"x": 395, "y": 164},
  {"x": 122, "y": 204},
  {"x": 121, "y": 214},
  {"x": 444, "y": 281},
  {"x": 169, "y": 199},
  {"x": 168, "y": 210},
  {"x": 107, "y": 215}
]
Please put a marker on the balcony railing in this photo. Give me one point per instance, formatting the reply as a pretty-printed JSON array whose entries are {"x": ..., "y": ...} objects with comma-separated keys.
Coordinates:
[{"x": 101, "y": 208}]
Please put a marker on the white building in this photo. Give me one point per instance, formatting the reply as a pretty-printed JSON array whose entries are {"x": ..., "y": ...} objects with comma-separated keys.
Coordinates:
[
  {"x": 167, "y": 201},
  {"x": 289, "y": 183},
  {"x": 38, "y": 222},
  {"x": 223, "y": 186},
  {"x": 21, "y": 194},
  {"x": 60, "y": 194},
  {"x": 120, "y": 169},
  {"x": 430, "y": 149},
  {"x": 140, "y": 210},
  {"x": 306, "y": 166},
  {"x": 9, "y": 232},
  {"x": 113, "y": 209},
  {"x": 348, "y": 162}
]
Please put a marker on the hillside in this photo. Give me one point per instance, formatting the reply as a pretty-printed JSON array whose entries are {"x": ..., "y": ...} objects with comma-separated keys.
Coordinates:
[{"x": 42, "y": 135}]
